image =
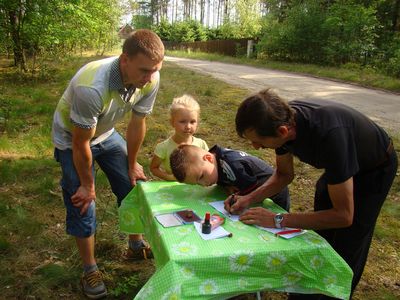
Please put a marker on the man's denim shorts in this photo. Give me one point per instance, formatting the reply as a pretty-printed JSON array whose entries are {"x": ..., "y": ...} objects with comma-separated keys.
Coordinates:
[{"x": 111, "y": 156}]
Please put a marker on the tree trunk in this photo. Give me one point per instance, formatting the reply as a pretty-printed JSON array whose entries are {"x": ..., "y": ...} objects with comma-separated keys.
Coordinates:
[
  {"x": 226, "y": 11},
  {"x": 202, "y": 2},
  {"x": 19, "y": 58},
  {"x": 396, "y": 16}
]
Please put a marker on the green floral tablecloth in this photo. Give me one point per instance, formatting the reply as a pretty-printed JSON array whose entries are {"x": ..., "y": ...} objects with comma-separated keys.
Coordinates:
[{"x": 189, "y": 267}]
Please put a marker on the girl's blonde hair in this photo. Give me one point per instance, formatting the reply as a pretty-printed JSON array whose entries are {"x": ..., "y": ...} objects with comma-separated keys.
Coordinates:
[{"x": 184, "y": 102}]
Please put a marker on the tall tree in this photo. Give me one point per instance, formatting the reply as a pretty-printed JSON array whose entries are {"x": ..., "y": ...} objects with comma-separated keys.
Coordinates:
[{"x": 13, "y": 14}]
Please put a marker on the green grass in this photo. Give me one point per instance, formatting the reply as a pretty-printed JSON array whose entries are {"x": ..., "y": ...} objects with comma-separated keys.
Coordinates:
[
  {"x": 38, "y": 260},
  {"x": 355, "y": 74}
]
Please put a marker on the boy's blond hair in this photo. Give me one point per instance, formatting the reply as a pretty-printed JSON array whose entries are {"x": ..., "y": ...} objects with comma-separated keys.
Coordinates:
[{"x": 184, "y": 102}]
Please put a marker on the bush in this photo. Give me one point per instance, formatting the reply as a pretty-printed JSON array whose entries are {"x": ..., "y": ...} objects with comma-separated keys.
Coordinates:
[
  {"x": 351, "y": 33},
  {"x": 299, "y": 37}
]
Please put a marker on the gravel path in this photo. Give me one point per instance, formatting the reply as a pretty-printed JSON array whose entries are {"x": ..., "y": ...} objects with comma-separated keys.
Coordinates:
[{"x": 383, "y": 107}]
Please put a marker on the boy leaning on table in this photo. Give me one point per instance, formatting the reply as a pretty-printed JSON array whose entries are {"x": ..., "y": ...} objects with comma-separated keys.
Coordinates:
[{"x": 237, "y": 171}]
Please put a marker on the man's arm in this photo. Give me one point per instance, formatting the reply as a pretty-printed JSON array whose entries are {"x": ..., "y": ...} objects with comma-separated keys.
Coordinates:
[
  {"x": 339, "y": 216},
  {"x": 281, "y": 177},
  {"x": 82, "y": 157},
  {"x": 135, "y": 134}
]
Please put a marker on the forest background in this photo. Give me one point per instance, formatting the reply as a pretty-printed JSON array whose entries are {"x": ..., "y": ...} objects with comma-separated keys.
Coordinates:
[{"x": 350, "y": 33}]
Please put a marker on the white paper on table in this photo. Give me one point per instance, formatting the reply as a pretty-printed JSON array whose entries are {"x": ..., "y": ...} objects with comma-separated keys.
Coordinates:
[
  {"x": 219, "y": 205},
  {"x": 168, "y": 220},
  {"x": 214, "y": 234},
  {"x": 286, "y": 236}
]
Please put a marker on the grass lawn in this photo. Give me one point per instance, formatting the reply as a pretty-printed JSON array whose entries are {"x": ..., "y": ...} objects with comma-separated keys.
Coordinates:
[{"x": 39, "y": 261}]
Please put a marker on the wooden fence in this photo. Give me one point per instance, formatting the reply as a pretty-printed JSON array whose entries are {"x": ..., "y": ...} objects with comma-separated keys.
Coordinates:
[{"x": 225, "y": 47}]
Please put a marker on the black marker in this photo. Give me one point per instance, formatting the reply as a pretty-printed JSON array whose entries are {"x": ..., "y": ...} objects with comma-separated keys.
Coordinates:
[{"x": 231, "y": 202}]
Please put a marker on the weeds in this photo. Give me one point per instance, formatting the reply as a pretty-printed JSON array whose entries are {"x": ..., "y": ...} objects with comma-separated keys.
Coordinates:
[{"x": 125, "y": 286}]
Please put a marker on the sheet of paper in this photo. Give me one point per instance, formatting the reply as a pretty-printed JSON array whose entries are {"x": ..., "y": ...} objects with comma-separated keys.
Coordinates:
[
  {"x": 219, "y": 205},
  {"x": 168, "y": 220},
  {"x": 215, "y": 234},
  {"x": 286, "y": 236}
]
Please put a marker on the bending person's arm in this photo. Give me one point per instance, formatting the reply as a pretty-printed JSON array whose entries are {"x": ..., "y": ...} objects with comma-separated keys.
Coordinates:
[
  {"x": 339, "y": 216},
  {"x": 135, "y": 134},
  {"x": 82, "y": 157}
]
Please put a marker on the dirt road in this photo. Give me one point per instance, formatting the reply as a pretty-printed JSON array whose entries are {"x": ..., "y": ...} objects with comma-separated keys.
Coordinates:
[{"x": 382, "y": 107}]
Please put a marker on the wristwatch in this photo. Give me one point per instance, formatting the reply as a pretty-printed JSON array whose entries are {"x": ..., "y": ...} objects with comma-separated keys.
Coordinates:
[{"x": 278, "y": 218}]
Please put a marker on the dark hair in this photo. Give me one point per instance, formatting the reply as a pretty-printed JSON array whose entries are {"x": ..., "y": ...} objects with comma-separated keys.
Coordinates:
[
  {"x": 146, "y": 42},
  {"x": 264, "y": 112},
  {"x": 179, "y": 161}
]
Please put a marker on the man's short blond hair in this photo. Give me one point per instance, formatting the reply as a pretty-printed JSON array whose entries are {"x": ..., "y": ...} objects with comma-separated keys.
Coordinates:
[
  {"x": 146, "y": 42},
  {"x": 181, "y": 159},
  {"x": 184, "y": 102}
]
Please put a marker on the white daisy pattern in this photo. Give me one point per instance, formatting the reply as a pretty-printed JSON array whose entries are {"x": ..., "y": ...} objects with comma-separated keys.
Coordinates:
[
  {"x": 267, "y": 286},
  {"x": 315, "y": 240},
  {"x": 185, "y": 249},
  {"x": 291, "y": 278},
  {"x": 165, "y": 196},
  {"x": 244, "y": 240},
  {"x": 187, "y": 190},
  {"x": 183, "y": 230},
  {"x": 243, "y": 283},
  {"x": 266, "y": 237},
  {"x": 208, "y": 287},
  {"x": 167, "y": 205},
  {"x": 127, "y": 217},
  {"x": 276, "y": 260},
  {"x": 172, "y": 294},
  {"x": 238, "y": 225},
  {"x": 187, "y": 271},
  {"x": 146, "y": 292},
  {"x": 330, "y": 280},
  {"x": 241, "y": 260},
  {"x": 316, "y": 262},
  {"x": 203, "y": 202}
]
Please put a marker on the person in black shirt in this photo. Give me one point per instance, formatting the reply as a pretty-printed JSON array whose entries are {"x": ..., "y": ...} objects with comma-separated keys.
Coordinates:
[
  {"x": 359, "y": 168},
  {"x": 237, "y": 171}
]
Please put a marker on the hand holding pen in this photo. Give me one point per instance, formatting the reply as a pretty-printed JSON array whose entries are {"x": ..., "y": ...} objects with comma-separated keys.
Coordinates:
[
  {"x": 229, "y": 202},
  {"x": 235, "y": 204}
]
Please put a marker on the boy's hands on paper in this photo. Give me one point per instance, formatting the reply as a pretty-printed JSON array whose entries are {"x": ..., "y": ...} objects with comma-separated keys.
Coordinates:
[{"x": 258, "y": 216}]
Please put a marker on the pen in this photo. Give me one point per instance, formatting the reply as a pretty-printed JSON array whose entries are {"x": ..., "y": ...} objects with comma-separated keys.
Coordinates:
[
  {"x": 283, "y": 232},
  {"x": 231, "y": 202}
]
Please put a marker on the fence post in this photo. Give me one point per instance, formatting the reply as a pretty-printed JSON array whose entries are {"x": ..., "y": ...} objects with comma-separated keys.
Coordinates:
[{"x": 250, "y": 44}]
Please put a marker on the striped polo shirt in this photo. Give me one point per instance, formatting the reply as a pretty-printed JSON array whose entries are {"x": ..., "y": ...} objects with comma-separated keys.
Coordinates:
[{"x": 96, "y": 97}]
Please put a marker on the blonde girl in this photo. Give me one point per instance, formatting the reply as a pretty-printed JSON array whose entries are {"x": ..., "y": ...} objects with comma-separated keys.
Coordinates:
[{"x": 184, "y": 118}]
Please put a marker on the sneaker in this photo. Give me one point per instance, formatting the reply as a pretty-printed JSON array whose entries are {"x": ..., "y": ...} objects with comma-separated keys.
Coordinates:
[
  {"x": 143, "y": 252},
  {"x": 93, "y": 286}
]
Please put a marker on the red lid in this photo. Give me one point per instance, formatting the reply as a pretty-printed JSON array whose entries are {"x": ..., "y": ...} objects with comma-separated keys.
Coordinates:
[{"x": 207, "y": 216}]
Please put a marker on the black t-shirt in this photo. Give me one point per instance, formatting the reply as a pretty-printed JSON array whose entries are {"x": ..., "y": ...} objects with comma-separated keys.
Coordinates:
[
  {"x": 239, "y": 169},
  {"x": 336, "y": 138}
]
